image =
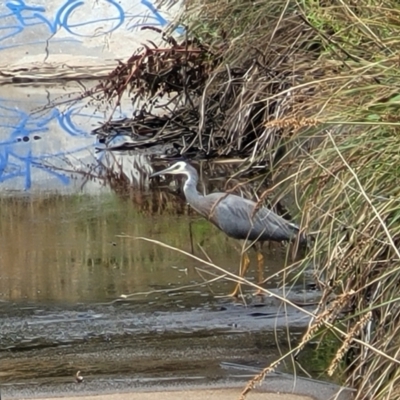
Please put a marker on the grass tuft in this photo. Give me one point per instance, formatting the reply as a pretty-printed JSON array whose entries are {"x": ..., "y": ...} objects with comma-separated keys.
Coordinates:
[{"x": 324, "y": 77}]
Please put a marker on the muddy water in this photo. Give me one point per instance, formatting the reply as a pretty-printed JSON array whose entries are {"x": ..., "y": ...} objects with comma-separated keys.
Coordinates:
[
  {"x": 64, "y": 267},
  {"x": 79, "y": 291},
  {"x": 69, "y": 249}
]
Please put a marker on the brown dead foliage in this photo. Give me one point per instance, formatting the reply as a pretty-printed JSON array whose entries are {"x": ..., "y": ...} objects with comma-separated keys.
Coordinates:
[{"x": 187, "y": 96}]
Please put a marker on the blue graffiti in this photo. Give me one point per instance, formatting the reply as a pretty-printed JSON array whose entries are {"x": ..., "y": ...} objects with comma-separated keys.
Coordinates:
[
  {"x": 16, "y": 156},
  {"x": 161, "y": 20},
  {"x": 27, "y": 15},
  {"x": 19, "y": 15}
]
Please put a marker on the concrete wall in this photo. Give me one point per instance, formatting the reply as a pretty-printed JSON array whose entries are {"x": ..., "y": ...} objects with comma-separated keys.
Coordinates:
[
  {"x": 53, "y": 149},
  {"x": 76, "y": 32}
]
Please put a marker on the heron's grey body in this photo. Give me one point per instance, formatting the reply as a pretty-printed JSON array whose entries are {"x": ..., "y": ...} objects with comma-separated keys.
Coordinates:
[{"x": 233, "y": 214}]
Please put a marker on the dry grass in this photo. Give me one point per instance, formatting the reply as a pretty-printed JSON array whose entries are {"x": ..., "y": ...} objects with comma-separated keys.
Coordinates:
[
  {"x": 309, "y": 90},
  {"x": 351, "y": 195},
  {"x": 204, "y": 99},
  {"x": 321, "y": 82}
]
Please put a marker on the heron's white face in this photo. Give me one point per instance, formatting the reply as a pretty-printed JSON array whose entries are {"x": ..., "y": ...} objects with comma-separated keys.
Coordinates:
[{"x": 175, "y": 169}]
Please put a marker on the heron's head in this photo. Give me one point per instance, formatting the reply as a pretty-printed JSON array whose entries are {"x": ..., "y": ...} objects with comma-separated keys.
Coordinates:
[{"x": 176, "y": 169}]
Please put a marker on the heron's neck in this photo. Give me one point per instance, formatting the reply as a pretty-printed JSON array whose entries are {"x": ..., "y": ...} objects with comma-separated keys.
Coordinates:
[{"x": 190, "y": 187}]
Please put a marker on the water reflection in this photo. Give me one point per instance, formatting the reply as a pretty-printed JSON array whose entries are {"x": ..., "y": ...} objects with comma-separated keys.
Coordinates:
[
  {"x": 70, "y": 208},
  {"x": 66, "y": 249},
  {"x": 46, "y": 144},
  {"x": 35, "y": 148}
]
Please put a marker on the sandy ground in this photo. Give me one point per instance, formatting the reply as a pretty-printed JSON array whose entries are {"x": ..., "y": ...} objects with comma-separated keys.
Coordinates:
[
  {"x": 207, "y": 394},
  {"x": 283, "y": 387}
]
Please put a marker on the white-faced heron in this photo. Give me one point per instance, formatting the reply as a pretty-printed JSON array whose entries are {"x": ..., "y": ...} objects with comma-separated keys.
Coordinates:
[{"x": 235, "y": 216}]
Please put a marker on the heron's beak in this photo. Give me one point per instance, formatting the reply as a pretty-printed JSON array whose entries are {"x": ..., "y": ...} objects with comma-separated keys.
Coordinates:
[{"x": 162, "y": 172}]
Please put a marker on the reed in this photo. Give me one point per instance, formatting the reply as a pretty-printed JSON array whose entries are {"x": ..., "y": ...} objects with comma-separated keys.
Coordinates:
[
  {"x": 322, "y": 84},
  {"x": 308, "y": 91}
]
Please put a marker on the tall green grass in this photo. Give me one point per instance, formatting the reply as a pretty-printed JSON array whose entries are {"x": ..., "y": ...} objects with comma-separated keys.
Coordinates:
[{"x": 328, "y": 79}]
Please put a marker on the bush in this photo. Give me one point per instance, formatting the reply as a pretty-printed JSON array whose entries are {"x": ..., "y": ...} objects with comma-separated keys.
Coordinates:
[{"x": 320, "y": 103}]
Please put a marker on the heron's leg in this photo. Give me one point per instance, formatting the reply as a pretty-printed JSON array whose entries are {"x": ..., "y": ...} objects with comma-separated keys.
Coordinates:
[
  {"x": 244, "y": 266},
  {"x": 260, "y": 266}
]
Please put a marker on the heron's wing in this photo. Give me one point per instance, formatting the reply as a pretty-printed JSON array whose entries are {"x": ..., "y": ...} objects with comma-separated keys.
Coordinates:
[{"x": 235, "y": 216}]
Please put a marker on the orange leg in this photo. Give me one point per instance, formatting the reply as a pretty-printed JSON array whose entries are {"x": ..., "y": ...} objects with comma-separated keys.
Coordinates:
[
  {"x": 260, "y": 267},
  {"x": 244, "y": 266}
]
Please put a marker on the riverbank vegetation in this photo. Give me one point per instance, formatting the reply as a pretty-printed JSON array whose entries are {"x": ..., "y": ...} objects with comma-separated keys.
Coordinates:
[
  {"x": 320, "y": 96},
  {"x": 309, "y": 91}
]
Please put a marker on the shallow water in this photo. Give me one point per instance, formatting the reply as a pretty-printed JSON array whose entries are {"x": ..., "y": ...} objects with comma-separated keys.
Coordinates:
[
  {"x": 69, "y": 249},
  {"x": 80, "y": 289}
]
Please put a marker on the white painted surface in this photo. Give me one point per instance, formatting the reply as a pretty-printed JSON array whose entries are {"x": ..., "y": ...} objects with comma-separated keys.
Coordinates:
[
  {"x": 81, "y": 32},
  {"x": 53, "y": 149}
]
